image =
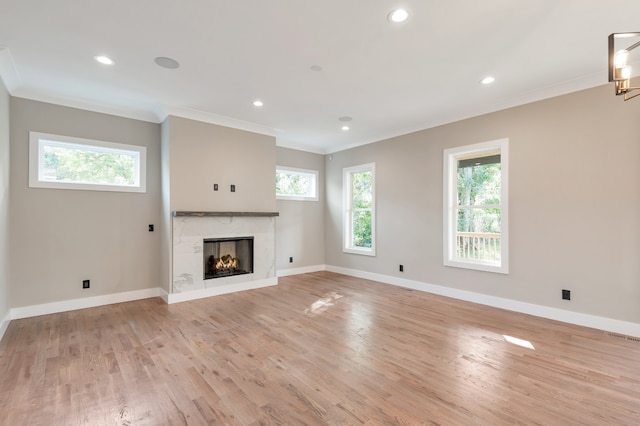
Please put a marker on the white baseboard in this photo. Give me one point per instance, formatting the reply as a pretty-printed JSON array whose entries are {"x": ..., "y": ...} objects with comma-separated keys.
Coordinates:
[
  {"x": 87, "y": 302},
  {"x": 302, "y": 270},
  {"x": 5, "y": 324},
  {"x": 216, "y": 291},
  {"x": 586, "y": 320},
  {"x": 577, "y": 318},
  {"x": 164, "y": 295},
  {"x": 128, "y": 296}
]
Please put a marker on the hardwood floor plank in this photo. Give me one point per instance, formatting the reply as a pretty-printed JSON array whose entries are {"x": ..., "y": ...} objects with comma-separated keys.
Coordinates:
[{"x": 318, "y": 349}]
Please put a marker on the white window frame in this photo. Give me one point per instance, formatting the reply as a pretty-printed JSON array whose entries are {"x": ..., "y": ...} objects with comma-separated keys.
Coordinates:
[
  {"x": 450, "y": 202},
  {"x": 313, "y": 189},
  {"x": 38, "y": 141},
  {"x": 348, "y": 246}
]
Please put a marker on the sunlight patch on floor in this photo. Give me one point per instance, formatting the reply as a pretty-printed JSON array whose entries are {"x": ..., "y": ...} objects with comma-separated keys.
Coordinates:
[
  {"x": 520, "y": 342},
  {"x": 322, "y": 304}
]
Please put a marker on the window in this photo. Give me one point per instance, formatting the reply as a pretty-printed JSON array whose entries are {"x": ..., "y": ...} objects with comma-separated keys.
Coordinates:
[
  {"x": 476, "y": 206},
  {"x": 359, "y": 209},
  {"x": 65, "y": 162},
  {"x": 296, "y": 184}
]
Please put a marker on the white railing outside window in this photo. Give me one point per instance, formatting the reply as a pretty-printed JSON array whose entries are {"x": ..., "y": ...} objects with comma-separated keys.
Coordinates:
[{"x": 478, "y": 246}]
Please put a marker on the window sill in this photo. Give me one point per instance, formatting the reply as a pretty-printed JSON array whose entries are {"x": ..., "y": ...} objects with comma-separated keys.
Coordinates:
[
  {"x": 295, "y": 198},
  {"x": 363, "y": 251},
  {"x": 478, "y": 266}
]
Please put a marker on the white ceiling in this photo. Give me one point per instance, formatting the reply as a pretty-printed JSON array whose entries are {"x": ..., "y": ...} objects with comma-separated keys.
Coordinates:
[{"x": 391, "y": 78}]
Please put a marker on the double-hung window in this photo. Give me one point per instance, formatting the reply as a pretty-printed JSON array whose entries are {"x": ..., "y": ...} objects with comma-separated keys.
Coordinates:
[
  {"x": 65, "y": 162},
  {"x": 359, "y": 209},
  {"x": 476, "y": 206}
]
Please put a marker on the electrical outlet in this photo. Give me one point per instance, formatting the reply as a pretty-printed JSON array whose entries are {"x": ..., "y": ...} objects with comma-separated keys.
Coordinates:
[
  {"x": 566, "y": 294},
  {"x": 291, "y": 259},
  {"x": 86, "y": 283},
  {"x": 401, "y": 268}
]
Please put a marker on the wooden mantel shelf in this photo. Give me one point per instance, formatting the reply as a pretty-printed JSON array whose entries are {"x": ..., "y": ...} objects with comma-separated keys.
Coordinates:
[{"x": 206, "y": 214}]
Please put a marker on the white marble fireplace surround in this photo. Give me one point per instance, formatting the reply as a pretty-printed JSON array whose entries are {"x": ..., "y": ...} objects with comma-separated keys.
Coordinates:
[{"x": 190, "y": 229}]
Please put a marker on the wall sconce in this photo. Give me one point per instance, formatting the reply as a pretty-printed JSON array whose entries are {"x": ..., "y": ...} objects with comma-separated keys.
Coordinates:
[{"x": 619, "y": 70}]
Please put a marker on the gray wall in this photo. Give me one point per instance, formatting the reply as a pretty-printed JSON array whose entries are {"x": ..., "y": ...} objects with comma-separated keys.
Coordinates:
[
  {"x": 165, "y": 222},
  {"x": 202, "y": 154},
  {"x": 574, "y": 204},
  {"x": 60, "y": 237},
  {"x": 4, "y": 203},
  {"x": 197, "y": 155},
  {"x": 300, "y": 226}
]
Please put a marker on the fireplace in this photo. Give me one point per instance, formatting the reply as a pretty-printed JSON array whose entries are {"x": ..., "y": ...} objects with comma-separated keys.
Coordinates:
[
  {"x": 224, "y": 257},
  {"x": 190, "y": 277}
]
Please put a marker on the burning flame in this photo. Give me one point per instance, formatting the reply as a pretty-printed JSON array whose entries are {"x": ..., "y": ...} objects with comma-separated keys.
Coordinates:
[{"x": 227, "y": 262}]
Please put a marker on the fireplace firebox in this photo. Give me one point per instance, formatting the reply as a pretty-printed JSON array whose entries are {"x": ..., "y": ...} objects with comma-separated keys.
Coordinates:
[{"x": 225, "y": 257}]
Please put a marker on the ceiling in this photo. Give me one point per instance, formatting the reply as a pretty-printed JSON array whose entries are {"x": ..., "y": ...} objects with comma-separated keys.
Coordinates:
[{"x": 390, "y": 78}]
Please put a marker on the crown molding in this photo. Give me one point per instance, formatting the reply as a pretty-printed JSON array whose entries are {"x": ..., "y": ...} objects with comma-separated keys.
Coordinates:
[
  {"x": 8, "y": 71},
  {"x": 206, "y": 117}
]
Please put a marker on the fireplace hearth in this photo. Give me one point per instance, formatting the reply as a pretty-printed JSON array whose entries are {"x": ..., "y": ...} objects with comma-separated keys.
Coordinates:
[{"x": 225, "y": 257}]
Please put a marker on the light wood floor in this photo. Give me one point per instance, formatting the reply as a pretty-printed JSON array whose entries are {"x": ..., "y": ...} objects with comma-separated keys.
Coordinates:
[{"x": 319, "y": 348}]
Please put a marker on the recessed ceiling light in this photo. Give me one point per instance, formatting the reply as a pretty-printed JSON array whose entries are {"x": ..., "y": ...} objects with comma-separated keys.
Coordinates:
[
  {"x": 345, "y": 119},
  {"x": 258, "y": 103},
  {"x": 398, "y": 15},
  {"x": 165, "y": 62},
  {"x": 488, "y": 80},
  {"x": 316, "y": 68},
  {"x": 104, "y": 60},
  {"x": 345, "y": 128}
]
